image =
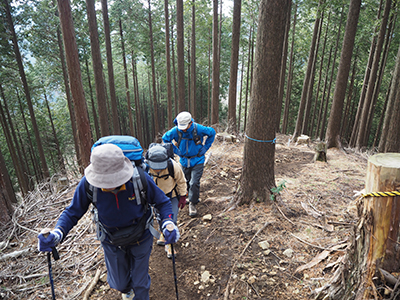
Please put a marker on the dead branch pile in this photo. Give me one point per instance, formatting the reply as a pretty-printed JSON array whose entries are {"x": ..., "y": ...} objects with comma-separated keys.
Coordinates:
[{"x": 24, "y": 270}]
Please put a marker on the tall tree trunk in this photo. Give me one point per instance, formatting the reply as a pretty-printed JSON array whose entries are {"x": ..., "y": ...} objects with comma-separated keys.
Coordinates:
[
  {"x": 9, "y": 124},
  {"x": 176, "y": 105},
  {"x": 139, "y": 127},
  {"x": 215, "y": 68},
  {"x": 362, "y": 139},
  {"x": 314, "y": 114},
  {"x": 259, "y": 157},
  {"x": 153, "y": 76},
  {"x": 307, "y": 77},
  {"x": 283, "y": 66},
  {"x": 193, "y": 64},
  {"x": 75, "y": 78},
  {"x": 93, "y": 106},
  {"x": 110, "y": 69},
  {"x": 390, "y": 133},
  {"x": 7, "y": 184},
  {"x": 382, "y": 66},
  {"x": 181, "y": 55},
  {"x": 69, "y": 98},
  {"x": 7, "y": 195},
  {"x": 285, "y": 121},
  {"x": 237, "y": 7},
  {"x": 306, "y": 119},
  {"x": 240, "y": 94},
  {"x": 23, "y": 184},
  {"x": 61, "y": 164},
  {"x": 128, "y": 96},
  {"x": 45, "y": 169},
  {"x": 355, "y": 131},
  {"x": 97, "y": 68},
  {"x": 333, "y": 130},
  {"x": 323, "y": 120},
  {"x": 168, "y": 65},
  {"x": 248, "y": 78}
]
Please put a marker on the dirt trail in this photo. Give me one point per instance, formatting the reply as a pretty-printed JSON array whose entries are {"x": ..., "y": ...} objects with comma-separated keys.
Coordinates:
[
  {"x": 252, "y": 252},
  {"x": 320, "y": 198}
]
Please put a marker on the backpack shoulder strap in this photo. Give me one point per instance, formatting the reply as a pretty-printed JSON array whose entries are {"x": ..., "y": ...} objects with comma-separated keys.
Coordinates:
[
  {"x": 171, "y": 169},
  {"x": 179, "y": 137},
  {"x": 91, "y": 192},
  {"x": 139, "y": 181}
]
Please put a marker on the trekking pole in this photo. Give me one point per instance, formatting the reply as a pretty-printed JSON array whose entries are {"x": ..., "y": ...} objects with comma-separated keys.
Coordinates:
[
  {"x": 170, "y": 228},
  {"x": 45, "y": 233}
]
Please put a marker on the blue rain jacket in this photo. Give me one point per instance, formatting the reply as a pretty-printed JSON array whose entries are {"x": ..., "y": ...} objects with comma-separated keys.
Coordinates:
[{"x": 190, "y": 153}]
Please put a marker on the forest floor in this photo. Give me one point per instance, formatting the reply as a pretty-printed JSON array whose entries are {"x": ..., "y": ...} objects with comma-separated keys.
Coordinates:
[{"x": 249, "y": 252}]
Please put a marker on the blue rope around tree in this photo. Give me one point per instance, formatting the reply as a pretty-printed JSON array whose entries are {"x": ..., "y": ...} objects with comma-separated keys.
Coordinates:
[{"x": 260, "y": 141}]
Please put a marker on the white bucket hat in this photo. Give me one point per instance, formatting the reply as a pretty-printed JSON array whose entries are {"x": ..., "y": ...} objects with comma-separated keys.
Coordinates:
[
  {"x": 109, "y": 167},
  {"x": 183, "y": 119}
]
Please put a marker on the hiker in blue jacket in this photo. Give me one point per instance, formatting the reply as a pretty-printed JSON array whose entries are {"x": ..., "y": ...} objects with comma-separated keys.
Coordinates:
[
  {"x": 189, "y": 138},
  {"x": 118, "y": 210}
]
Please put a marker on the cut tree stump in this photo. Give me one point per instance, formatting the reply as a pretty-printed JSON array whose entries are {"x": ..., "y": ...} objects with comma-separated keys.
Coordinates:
[{"x": 375, "y": 247}]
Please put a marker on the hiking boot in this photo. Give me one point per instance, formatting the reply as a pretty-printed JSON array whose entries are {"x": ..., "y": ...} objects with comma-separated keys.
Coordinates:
[
  {"x": 128, "y": 296},
  {"x": 168, "y": 249},
  {"x": 192, "y": 210},
  {"x": 161, "y": 240}
]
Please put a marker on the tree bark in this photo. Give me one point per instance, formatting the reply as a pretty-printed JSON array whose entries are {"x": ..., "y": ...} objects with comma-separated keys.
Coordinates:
[
  {"x": 23, "y": 184},
  {"x": 97, "y": 68},
  {"x": 45, "y": 169},
  {"x": 362, "y": 139},
  {"x": 75, "y": 78},
  {"x": 168, "y": 65},
  {"x": 237, "y": 7},
  {"x": 215, "y": 68},
  {"x": 306, "y": 82},
  {"x": 61, "y": 164},
  {"x": 379, "y": 223},
  {"x": 128, "y": 96},
  {"x": 181, "y": 55},
  {"x": 193, "y": 64},
  {"x": 110, "y": 69},
  {"x": 153, "y": 76},
  {"x": 333, "y": 130},
  {"x": 283, "y": 67},
  {"x": 69, "y": 98},
  {"x": 285, "y": 121},
  {"x": 259, "y": 157}
]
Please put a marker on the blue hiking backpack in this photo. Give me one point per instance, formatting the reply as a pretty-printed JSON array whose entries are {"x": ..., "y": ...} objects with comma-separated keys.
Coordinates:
[{"x": 132, "y": 149}]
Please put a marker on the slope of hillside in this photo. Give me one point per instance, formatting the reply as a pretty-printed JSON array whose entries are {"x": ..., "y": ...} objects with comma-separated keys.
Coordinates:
[{"x": 249, "y": 252}]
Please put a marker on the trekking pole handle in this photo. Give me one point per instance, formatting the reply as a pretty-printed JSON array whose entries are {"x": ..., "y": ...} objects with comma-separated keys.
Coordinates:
[
  {"x": 170, "y": 227},
  {"x": 46, "y": 233}
]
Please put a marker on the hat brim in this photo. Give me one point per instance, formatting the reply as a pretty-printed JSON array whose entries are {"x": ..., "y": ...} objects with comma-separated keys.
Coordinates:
[
  {"x": 109, "y": 180},
  {"x": 157, "y": 165},
  {"x": 183, "y": 126}
]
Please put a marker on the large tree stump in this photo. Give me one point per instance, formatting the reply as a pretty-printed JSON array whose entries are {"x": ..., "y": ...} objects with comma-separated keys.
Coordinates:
[
  {"x": 375, "y": 248},
  {"x": 377, "y": 234}
]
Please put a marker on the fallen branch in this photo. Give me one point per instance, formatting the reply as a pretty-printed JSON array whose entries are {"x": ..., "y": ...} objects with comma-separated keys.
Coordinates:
[
  {"x": 315, "y": 246},
  {"x": 14, "y": 254},
  {"x": 283, "y": 214},
  {"x": 92, "y": 284}
]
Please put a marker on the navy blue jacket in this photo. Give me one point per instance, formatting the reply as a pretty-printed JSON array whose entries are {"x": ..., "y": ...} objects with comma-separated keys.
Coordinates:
[{"x": 115, "y": 210}]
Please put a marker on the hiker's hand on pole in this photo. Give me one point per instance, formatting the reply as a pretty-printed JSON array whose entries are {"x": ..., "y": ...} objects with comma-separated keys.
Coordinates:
[
  {"x": 182, "y": 202},
  {"x": 170, "y": 232},
  {"x": 49, "y": 239}
]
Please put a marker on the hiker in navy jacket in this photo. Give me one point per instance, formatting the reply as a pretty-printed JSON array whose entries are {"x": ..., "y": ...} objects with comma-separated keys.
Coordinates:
[
  {"x": 110, "y": 172},
  {"x": 191, "y": 147}
]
